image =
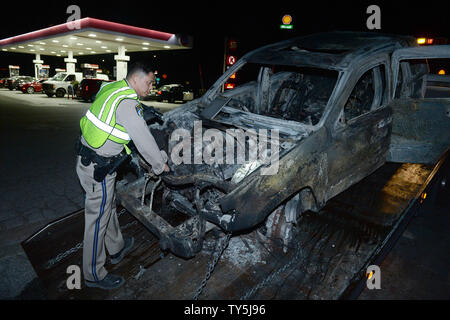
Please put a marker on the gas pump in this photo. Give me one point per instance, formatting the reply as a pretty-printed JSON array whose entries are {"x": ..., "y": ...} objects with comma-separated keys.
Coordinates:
[
  {"x": 44, "y": 71},
  {"x": 13, "y": 70},
  {"x": 89, "y": 70}
]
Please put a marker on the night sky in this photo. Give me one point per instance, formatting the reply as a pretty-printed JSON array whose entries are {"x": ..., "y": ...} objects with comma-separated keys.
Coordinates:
[{"x": 209, "y": 22}]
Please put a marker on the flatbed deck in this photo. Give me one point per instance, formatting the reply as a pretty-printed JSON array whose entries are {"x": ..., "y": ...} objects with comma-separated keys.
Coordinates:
[{"x": 327, "y": 258}]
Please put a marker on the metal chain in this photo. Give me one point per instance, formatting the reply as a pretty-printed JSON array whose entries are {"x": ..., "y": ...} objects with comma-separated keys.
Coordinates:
[
  {"x": 212, "y": 264},
  {"x": 213, "y": 260},
  {"x": 63, "y": 255},
  {"x": 272, "y": 276},
  {"x": 79, "y": 245}
]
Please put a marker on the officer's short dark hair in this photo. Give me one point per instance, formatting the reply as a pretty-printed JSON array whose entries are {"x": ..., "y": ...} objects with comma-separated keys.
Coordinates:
[{"x": 139, "y": 66}]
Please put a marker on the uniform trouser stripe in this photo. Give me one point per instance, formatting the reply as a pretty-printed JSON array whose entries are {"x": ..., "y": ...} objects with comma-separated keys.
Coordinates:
[
  {"x": 97, "y": 227},
  {"x": 102, "y": 233}
]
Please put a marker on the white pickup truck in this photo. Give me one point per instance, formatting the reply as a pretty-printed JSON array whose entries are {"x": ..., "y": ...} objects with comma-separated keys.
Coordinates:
[{"x": 59, "y": 84}]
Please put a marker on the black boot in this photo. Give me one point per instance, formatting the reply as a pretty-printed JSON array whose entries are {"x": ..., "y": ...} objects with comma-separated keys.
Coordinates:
[{"x": 128, "y": 245}]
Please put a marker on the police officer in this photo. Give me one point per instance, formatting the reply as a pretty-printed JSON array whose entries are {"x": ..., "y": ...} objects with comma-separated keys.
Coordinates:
[{"x": 114, "y": 118}]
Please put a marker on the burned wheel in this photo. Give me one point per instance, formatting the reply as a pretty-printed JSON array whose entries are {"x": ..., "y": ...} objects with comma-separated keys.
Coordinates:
[{"x": 30, "y": 90}]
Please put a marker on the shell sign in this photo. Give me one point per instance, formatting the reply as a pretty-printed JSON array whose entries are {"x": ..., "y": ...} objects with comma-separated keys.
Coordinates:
[
  {"x": 287, "y": 22},
  {"x": 287, "y": 19}
]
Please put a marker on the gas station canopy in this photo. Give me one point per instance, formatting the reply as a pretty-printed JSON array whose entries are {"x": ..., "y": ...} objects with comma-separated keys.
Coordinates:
[{"x": 89, "y": 36}]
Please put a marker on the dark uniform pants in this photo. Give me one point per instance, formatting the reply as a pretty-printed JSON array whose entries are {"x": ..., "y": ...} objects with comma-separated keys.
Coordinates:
[{"x": 101, "y": 229}]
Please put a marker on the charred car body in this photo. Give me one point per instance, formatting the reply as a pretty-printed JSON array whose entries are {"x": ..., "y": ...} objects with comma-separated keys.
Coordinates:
[{"x": 337, "y": 107}]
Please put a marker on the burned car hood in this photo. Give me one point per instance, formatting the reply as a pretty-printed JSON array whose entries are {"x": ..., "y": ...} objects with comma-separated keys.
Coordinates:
[{"x": 186, "y": 123}]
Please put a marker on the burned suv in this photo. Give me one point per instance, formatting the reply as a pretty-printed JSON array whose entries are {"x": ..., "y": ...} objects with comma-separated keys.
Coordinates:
[{"x": 313, "y": 116}]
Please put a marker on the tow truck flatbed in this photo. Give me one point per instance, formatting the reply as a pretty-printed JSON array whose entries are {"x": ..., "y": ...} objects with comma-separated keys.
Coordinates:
[{"x": 327, "y": 259}]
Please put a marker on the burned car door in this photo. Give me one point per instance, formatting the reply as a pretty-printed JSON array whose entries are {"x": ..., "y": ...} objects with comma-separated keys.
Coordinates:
[
  {"x": 361, "y": 134},
  {"x": 421, "y": 106}
]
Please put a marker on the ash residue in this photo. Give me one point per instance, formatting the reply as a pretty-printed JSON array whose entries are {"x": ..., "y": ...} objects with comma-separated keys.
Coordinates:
[{"x": 242, "y": 251}]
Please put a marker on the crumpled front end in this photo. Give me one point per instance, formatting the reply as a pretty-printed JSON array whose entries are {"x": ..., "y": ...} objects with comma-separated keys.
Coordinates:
[{"x": 208, "y": 161}]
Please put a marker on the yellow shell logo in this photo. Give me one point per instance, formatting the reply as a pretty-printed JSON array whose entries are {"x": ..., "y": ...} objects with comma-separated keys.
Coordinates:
[{"x": 287, "y": 19}]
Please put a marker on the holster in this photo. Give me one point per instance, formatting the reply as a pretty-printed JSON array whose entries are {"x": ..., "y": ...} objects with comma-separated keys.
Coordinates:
[{"x": 102, "y": 165}]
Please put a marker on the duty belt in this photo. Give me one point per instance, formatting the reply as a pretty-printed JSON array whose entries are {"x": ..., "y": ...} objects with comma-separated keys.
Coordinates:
[{"x": 102, "y": 165}]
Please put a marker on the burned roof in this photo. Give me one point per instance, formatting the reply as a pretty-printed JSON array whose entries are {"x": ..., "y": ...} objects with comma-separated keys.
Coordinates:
[{"x": 334, "y": 50}]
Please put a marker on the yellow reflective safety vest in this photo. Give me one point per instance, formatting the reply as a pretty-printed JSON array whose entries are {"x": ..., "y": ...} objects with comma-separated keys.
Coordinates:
[{"x": 99, "y": 123}]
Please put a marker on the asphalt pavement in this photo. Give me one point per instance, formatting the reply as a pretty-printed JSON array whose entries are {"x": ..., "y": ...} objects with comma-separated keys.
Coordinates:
[{"x": 38, "y": 183}]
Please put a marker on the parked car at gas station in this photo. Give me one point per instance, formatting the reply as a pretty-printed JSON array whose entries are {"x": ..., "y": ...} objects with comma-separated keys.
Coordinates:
[
  {"x": 152, "y": 95},
  {"x": 9, "y": 82},
  {"x": 13, "y": 82},
  {"x": 31, "y": 86},
  {"x": 3, "y": 82},
  {"x": 59, "y": 84},
  {"x": 172, "y": 93},
  {"x": 21, "y": 81},
  {"x": 88, "y": 88}
]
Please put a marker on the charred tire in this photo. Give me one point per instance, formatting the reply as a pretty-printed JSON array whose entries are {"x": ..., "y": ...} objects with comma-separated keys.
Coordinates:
[
  {"x": 60, "y": 93},
  {"x": 30, "y": 90},
  {"x": 49, "y": 95}
]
